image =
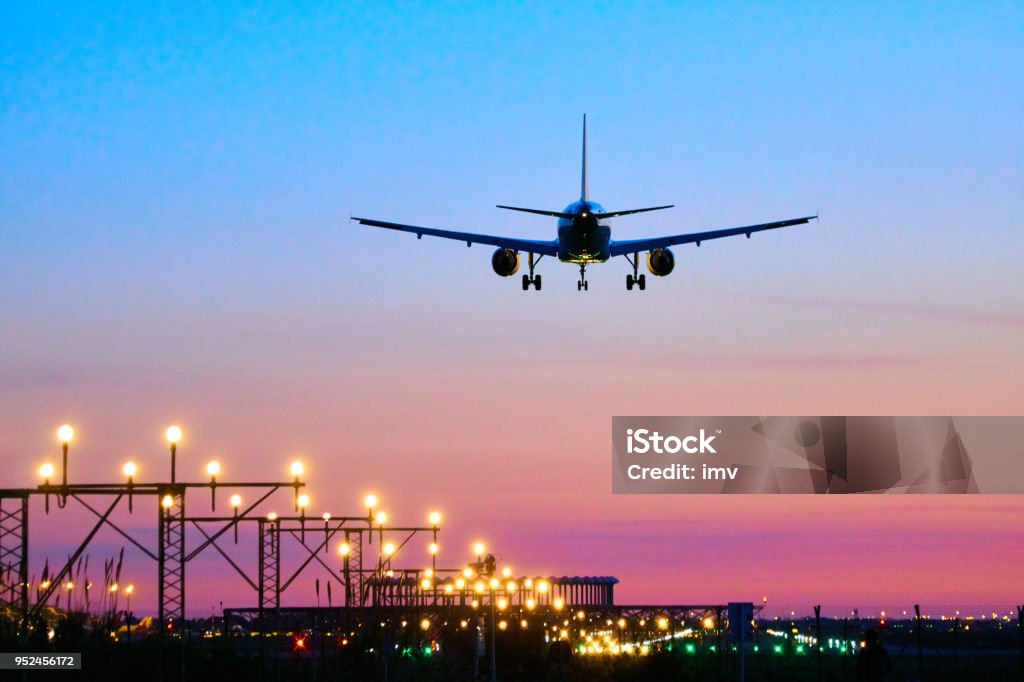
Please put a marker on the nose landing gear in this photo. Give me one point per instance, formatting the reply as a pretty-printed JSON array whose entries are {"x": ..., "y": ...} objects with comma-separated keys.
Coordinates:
[{"x": 582, "y": 285}]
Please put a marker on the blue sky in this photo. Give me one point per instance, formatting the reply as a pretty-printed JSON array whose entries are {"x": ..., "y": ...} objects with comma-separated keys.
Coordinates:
[{"x": 174, "y": 245}]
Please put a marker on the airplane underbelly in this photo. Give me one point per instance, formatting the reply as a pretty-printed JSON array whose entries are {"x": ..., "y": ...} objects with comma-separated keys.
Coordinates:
[{"x": 575, "y": 246}]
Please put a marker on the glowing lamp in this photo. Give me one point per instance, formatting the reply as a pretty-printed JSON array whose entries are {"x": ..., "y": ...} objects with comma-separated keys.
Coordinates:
[
  {"x": 297, "y": 468},
  {"x": 432, "y": 548},
  {"x": 65, "y": 433},
  {"x": 213, "y": 468},
  {"x": 46, "y": 470},
  {"x": 130, "y": 469},
  {"x": 371, "y": 501},
  {"x": 381, "y": 518},
  {"x": 389, "y": 548},
  {"x": 344, "y": 549},
  {"x": 173, "y": 434},
  {"x": 479, "y": 549},
  {"x": 167, "y": 502},
  {"x": 303, "y": 501},
  {"x": 236, "y": 501},
  {"x": 272, "y": 516},
  {"x": 435, "y": 518}
]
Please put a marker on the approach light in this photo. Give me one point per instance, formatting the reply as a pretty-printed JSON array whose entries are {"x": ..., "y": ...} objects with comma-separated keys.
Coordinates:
[
  {"x": 167, "y": 502},
  {"x": 435, "y": 518},
  {"x": 531, "y": 603},
  {"x": 542, "y": 586},
  {"x": 113, "y": 588},
  {"x": 559, "y": 604},
  {"x": 46, "y": 470},
  {"x": 479, "y": 586},
  {"x": 502, "y": 604},
  {"x": 432, "y": 548},
  {"x": 130, "y": 469},
  {"x": 326, "y": 516},
  {"x": 213, "y": 468},
  {"x": 389, "y": 548},
  {"x": 297, "y": 468},
  {"x": 129, "y": 589},
  {"x": 511, "y": 586},
  {"x": 425, "y": 624},
  {"x": 371, "y": 501},
  {"x": 173, "y": 434},
  {"x": 236, "y": 501},
  {"x": 709, "y": 623},
  {"x": 425, "y": 583},
  {"x": 506, "y": 572},
  {"x": 272, "y": 516},
  {"x": 381, "y": 518},
  {"x": 344, "y": 549},
  {"x": 479, "y": 549},
  {"x": 493, "y": 582},
  {"x": 65, "y": 433},
  {"x": 303, "y": 501}
]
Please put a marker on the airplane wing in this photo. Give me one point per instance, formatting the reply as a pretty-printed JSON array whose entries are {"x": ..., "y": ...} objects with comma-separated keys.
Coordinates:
[
  {"x": 546, "y": 248},
  {"x": 619, "y": 248}
]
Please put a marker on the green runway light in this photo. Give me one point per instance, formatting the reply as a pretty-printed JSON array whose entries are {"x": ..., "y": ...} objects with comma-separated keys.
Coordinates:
[
  {"x": 691, "y": 648},
  {"x": 799, "y": 648},
  {"x": 778, "y": 648}
]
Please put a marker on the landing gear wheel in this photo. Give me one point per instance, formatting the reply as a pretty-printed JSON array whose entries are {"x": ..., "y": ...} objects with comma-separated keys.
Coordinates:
[
  {"x": 642, "y": 282},
  {"x": 629, "y": 282},
  {"x": 579, "y": 286},
  {"x": 586, "y": 286},
  {"x": 526, "y": 282},
  {"x": 536, "y": 282}
]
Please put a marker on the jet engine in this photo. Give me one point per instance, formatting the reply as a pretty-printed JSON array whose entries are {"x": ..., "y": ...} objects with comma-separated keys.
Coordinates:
[
  {"x": 661, "y": 262},
  {"x": 505, "y": 262}
]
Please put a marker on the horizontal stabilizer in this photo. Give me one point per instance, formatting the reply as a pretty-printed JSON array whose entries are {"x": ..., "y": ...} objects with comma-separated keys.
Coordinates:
[
  {"x": 538, "y": 211},
  {"x": 616, "y": 214}
]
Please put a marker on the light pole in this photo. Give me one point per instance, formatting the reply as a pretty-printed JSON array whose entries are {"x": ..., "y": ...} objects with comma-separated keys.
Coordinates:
[
  {"x": 173, "y": 435},
  {"x": 485, "y": 567},
  {"x": 64, "y": 434}
]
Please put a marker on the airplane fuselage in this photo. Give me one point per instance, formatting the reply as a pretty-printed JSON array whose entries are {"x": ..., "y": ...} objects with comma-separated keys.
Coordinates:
[{"x": 585, "y": 238}]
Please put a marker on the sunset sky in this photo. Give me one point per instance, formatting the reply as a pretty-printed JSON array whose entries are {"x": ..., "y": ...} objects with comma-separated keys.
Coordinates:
[{"x": 175, "y": 188}]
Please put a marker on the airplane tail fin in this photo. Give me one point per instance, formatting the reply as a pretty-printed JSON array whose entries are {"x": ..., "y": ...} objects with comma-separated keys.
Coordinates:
[{"x": 584, "y": 190}]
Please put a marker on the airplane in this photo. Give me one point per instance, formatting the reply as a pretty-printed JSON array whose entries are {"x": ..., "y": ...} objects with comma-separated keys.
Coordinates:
[{"x": 584, "y": 237}]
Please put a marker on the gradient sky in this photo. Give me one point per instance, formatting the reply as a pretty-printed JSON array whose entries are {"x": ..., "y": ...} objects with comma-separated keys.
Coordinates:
[{"x": 174, "y": 246}]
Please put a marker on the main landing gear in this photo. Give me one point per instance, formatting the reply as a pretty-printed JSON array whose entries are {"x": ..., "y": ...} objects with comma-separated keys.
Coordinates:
[
  {"x": 639, "y": 280},
  {"x": 582, "y": 285},
  {"x": 531, "y": 278}
]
